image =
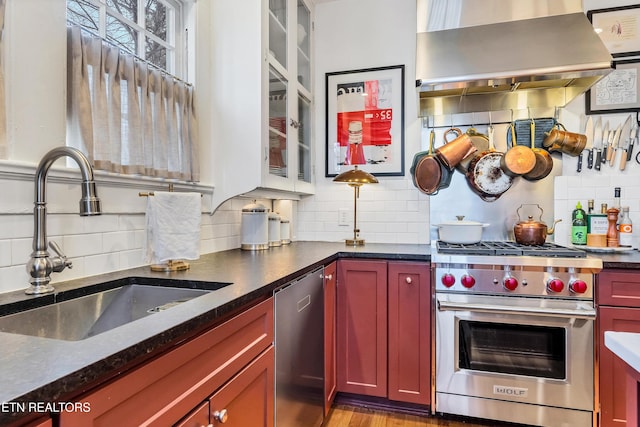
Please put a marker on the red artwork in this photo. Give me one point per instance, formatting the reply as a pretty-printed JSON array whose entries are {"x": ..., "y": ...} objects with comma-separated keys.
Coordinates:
[{"x": 364, "y": 117}]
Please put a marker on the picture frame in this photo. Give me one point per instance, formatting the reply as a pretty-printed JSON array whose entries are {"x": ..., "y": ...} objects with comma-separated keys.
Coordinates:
[
  {"x": 365, "y": 121},
  {"x": 618, "y": 91},
  {"x": 618, "y": 28}
]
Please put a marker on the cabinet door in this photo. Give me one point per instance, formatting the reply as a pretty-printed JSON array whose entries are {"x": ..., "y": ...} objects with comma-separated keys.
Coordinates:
[
  {"x": 248, "y": 398},
  {"x": 409, "y": 332},
  {"x": 362, "y": 327},
  {"x": 613, "y": 372},
  {"x": 619, "y": 288},
  {"x": 199, "y": 417},
  {"x": 330, "y": 379}
]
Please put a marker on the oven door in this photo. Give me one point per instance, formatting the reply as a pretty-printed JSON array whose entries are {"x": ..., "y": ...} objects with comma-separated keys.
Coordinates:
[{"x": 528, "y": 350}]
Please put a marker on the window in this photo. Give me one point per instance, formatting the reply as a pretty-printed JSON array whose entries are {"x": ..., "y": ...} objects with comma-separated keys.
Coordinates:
[
  {"x": 149, "y": 29},
  {"x": 127, "y": 110}
]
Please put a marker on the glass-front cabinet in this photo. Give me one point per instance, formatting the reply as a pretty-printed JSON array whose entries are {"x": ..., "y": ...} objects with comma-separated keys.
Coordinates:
[
  {"x": 288, "y": 150},
  {"x": 260, "y": 95}
]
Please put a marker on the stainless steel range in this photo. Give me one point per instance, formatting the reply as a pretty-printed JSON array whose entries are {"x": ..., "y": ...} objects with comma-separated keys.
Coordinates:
[{"x": 515, "y": 332}]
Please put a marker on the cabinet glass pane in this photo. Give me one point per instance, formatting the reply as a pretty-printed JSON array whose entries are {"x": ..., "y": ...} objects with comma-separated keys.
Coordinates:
[
  {"x": 304, "y": 139},
  {"x": 277, "y": 124},
  {"x": 278, "y": 30},
  {"x": 304, "y": 50}
]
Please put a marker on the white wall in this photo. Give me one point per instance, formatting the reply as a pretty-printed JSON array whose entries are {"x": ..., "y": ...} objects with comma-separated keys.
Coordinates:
[{"x": 359, "y": 34}]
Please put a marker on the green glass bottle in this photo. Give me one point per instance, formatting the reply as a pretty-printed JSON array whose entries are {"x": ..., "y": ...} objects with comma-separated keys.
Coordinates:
[{"x": 579, "y": 227}]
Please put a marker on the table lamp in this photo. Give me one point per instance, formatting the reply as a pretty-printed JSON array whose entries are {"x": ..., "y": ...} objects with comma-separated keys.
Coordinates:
[{"x": 355, "y": 178}]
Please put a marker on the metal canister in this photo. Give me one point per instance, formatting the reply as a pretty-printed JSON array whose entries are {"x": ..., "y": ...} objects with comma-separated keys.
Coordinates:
[
  {"x": 274, "y": 230},
  {"x": 254, "y": 228},
  {"x": 285, "y": 231}
]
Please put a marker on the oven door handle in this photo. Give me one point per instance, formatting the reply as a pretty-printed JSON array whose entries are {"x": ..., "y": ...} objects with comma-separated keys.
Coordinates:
[{"x": 527, "y": 311}]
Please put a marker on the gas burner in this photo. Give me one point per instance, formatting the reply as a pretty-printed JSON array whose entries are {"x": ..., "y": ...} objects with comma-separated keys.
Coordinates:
[{"x": 504, "y": 248}]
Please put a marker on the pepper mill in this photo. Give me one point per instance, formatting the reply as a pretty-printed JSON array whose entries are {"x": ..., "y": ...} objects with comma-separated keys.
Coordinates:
[{"x": 612, "y": 231}]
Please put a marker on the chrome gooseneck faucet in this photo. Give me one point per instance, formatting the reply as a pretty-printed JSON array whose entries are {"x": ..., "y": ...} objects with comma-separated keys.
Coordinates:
[{"x": 41, "y": 265}]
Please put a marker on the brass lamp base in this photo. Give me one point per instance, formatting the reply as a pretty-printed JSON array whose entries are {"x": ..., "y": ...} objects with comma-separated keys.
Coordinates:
[
  {"x": 171, "y": 266},
  {"x": 354, "y": 242}
]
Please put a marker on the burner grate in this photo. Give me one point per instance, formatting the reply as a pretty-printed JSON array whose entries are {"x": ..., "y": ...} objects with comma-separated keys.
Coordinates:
[{"x": 504, "y": 248}]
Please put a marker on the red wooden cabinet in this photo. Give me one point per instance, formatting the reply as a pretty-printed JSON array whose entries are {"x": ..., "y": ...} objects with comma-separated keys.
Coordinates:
[
  {"x": 166, "y": 389},
  {"x": 409, "y": 318},
  {"x": 330, "y": 339},
  {"x": 618, "y": 310},
  {"x": 248, "y": 398},
  {"x": 362, "y": 327},
  {"x": 384, "y": 326}
]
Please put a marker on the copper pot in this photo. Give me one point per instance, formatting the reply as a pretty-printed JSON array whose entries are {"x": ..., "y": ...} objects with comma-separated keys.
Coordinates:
[
  {"x": 531, "y": 232},
  {"x": 452, "y": 152},
  {"x": 566, "y": 142}
]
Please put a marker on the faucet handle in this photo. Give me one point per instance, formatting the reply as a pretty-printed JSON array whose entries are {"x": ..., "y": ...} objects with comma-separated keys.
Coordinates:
[{"x": 61, "y": 262}]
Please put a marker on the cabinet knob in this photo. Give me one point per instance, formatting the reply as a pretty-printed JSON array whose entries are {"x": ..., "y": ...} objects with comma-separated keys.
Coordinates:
[
  {"x": 328, "y": 276},
  {"x": 408, "y": 280},
  {"x": 220, "y": 416},
  {"x": 294, "y": 124}
]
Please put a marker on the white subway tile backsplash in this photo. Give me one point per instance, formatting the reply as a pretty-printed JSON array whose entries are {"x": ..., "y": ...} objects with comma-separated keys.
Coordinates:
[
  {"x": 118, "y": 241},
  {"x": 13, "y": 278},
  {"x": 20, "y": 250},
  {"x": 103, "y": 263},
  {"x": 78, "y": 245},
  {"x": 5, "y": 253},
  {"x": 15, "y": 226}
]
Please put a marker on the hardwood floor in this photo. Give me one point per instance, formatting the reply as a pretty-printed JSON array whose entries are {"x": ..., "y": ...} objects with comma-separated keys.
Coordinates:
[{"x": 349, "y": 416}]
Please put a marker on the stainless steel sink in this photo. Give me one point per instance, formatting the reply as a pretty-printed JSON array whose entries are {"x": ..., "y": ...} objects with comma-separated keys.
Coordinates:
[{"x": 93, "y": 314}]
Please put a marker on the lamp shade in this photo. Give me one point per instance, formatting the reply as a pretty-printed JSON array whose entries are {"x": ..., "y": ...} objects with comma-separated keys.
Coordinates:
[{"x": 356, "y": 177}]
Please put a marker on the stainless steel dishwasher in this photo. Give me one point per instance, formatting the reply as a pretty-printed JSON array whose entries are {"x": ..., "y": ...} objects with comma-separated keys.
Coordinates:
[{"x": 300, "y": 352}]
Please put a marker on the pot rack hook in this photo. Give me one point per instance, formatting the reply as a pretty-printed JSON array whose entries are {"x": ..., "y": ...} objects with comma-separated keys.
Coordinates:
[
  {"x": 638, "y": 118},
  {"x": 490, "y": 123}
]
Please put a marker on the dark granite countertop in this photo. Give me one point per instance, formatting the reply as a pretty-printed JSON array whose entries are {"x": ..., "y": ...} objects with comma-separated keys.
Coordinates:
[{"x": 34, "y": 369}]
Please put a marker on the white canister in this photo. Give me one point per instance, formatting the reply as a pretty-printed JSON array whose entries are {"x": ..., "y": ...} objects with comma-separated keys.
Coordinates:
[
  {"x": 274, "y": 230},
  {"x": 285, "y": 231},
  {"x": 254, "y": 228}
]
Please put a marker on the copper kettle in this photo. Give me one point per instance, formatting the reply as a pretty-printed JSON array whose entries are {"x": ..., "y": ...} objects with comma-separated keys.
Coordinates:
[{"x": 531, "y": 232}]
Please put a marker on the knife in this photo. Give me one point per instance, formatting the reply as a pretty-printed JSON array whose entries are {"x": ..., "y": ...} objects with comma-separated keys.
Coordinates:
[
  {"x": 620, "y": 133},
  {"x": 613, "y": 146},
  {"x": 588, "y": 131},
  {"x": 634, "y": 139},
  {"x": 596, "y": 151},
  {"x": 625, "y": 150},
  {"x": 607, "y": 136},
  {"x": 603, "y": 140}
]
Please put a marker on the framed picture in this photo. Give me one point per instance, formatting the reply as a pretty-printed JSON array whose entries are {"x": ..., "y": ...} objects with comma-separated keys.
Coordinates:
[
  {"x": 617, "y": 92},
  {"x": 619, "y": 29},
  {"x": 365, "y": 121}
]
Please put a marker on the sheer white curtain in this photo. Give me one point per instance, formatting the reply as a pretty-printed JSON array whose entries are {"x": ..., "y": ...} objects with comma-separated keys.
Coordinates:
[
  {"x": 4, "y": 149},
  {"x": 129, "y": 117}
]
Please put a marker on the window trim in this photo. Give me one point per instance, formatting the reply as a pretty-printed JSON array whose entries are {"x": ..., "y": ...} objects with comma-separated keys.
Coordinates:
[{"x": 176, "y": 28}]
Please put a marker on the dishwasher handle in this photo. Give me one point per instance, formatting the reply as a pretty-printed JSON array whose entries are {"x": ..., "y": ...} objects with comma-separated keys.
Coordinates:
[{"x": 526, "y": 311}]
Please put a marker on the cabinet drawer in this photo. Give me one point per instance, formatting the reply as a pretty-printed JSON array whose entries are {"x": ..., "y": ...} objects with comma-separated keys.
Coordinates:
[
  {"x": 619, "y": 288},
  {"x": 164, "y": 390}
]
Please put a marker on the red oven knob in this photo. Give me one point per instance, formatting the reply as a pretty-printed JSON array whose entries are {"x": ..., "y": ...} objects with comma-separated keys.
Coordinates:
[
  {"x": 555, "y": 285},
  {"x": 468, "y": 281},
  {"x": 448, "y": 279},
  {"x": 510, "y": 283},
  {"x": 578, "y": 286}
]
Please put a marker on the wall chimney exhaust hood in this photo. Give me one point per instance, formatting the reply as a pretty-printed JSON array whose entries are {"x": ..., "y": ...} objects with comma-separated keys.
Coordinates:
[{"x": 532, "y": 63}]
